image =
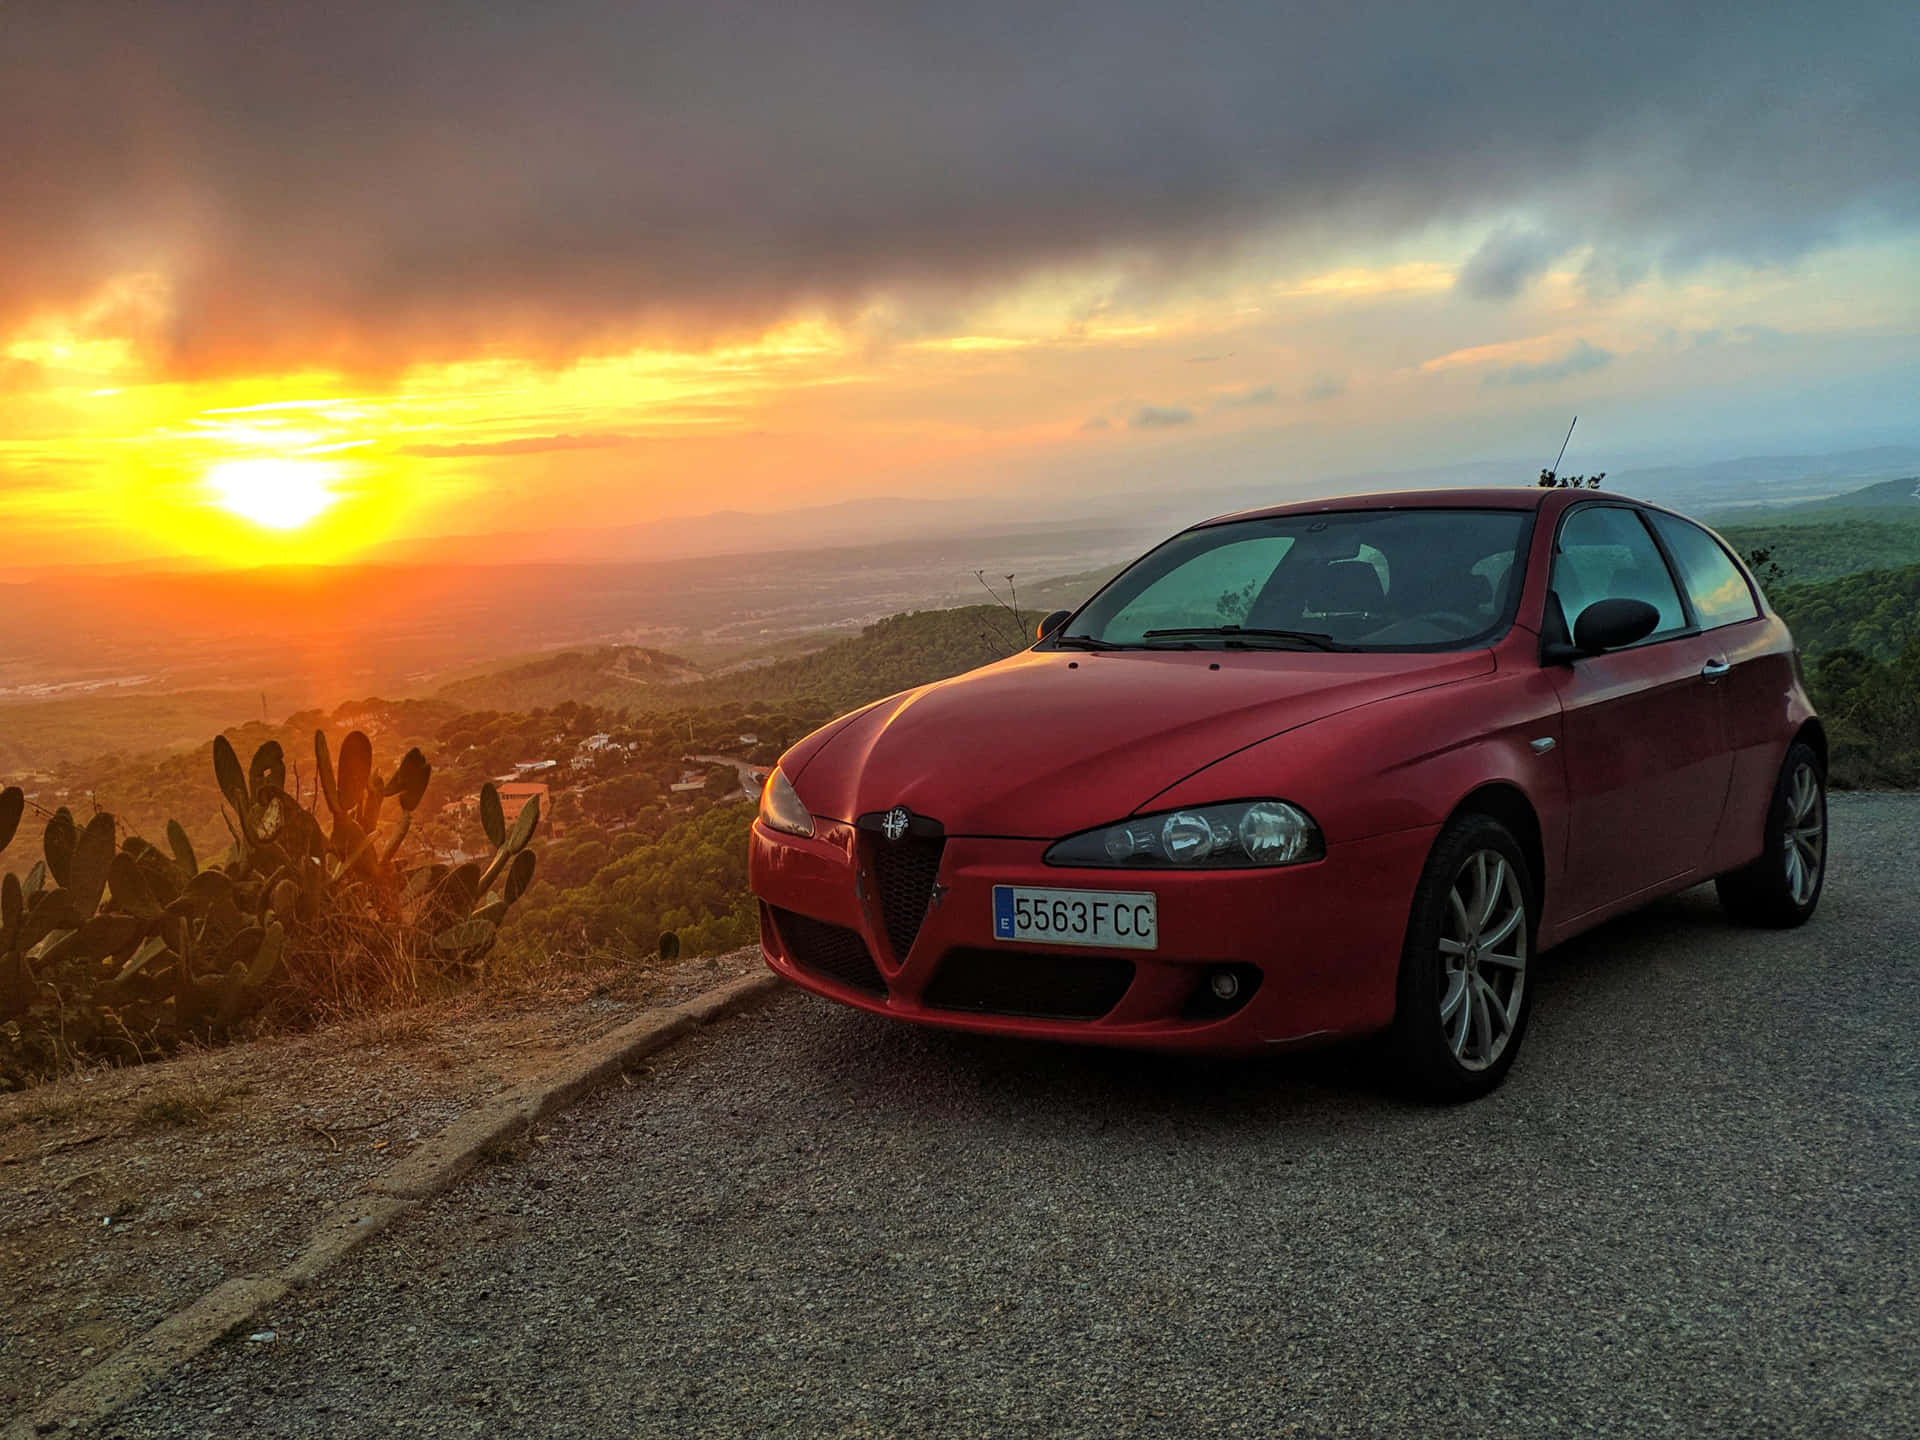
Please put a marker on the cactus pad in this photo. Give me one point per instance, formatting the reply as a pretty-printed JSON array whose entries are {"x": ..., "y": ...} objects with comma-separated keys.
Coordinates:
[{"x": 13, "y": 803}]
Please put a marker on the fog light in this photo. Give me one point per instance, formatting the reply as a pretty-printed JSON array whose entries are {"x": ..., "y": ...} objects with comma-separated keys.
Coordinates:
[{"x": 1224, "y": 984}]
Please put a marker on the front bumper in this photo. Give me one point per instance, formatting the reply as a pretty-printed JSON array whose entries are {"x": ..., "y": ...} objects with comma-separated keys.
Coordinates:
[{"x": 1324, "y": 940}]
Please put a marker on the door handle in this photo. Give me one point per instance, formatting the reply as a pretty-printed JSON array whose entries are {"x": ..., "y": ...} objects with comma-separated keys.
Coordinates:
[{"x": 1715, "y": 668}]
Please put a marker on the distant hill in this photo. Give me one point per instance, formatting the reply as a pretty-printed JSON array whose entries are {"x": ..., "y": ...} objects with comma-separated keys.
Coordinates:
[
  {"x": 894, "y": 654},
  {"x": 1069, "y": 592},
  {"x": 898, "y": 651},
  {"x": 891, "y": 654},
  {"x": 1889, "y": 499},
  {"x": 611, "y": 676}
]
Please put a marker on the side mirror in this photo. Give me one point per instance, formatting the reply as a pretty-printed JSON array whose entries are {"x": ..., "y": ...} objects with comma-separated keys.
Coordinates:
[
  {"x": 1610, "y": 624},
  {"x": 1053, "y": 622}
]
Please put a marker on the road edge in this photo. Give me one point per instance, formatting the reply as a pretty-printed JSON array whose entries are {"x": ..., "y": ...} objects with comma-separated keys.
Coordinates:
[{"x": 433, "y": 1167}]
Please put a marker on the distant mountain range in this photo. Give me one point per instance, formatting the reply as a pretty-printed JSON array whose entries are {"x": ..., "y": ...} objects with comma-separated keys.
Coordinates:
[
  {"x": 877, "y": 521},
  {"x": 1888, "y": 500},
  {"x": 882, "y": 520}
]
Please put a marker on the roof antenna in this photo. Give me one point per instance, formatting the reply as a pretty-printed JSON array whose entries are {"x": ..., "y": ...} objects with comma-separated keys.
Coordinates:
[{"x": 1551, "y": 477}]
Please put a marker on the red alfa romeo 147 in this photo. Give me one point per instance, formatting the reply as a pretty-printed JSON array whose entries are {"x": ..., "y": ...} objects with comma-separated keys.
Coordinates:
[{"x": 1310, "y": 772}]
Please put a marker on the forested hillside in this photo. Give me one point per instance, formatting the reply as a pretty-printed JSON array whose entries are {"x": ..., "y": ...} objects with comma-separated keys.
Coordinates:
[
  {"x": 1805, "y": 551},
  {"x": 690, "y": 880},
  {"x": 1876, "y": 612},
  {"x": 1872, "y": 713},
  {"x": 1861, "y": 636}
]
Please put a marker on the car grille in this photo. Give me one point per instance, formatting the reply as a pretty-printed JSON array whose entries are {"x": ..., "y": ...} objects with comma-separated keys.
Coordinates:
[
  {"x": 904, "y": 870},
  {"x": 1015, "y": 982},
  {"x": 830, "y": 950}
]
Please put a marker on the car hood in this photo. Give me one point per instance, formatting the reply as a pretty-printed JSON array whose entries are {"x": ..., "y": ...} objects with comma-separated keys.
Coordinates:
[{"x": 1050, "y": 742}]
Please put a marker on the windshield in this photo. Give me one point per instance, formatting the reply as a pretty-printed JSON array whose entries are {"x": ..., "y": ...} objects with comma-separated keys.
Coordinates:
[{"x": 1416, "y": 579}]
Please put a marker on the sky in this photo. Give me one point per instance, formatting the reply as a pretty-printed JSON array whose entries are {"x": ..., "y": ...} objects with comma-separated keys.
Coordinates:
[{"x": 286, "y": 282}]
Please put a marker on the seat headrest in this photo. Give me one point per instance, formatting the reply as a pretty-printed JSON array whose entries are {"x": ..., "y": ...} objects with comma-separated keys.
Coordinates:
[
  {"x": 1348, "y": 587},
  {"x": 1462, "y": 593}
]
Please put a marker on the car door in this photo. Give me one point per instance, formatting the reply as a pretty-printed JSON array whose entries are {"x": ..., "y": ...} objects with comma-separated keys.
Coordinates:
[
  {"x": 1759, "y": 672},
  {"x": 1643, "y": 736}
]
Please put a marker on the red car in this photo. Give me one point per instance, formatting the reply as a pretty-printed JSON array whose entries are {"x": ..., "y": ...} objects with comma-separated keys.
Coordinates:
[{"x": 1311, "y": 772}]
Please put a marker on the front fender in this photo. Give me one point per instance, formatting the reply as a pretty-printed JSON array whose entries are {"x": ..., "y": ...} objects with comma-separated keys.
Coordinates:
[{"x": 1408, "y": 762}]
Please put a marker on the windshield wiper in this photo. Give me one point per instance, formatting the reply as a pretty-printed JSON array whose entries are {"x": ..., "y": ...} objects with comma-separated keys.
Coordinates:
[
  {"x": 1086, "y": 642},
  {"x": 1314, "y": 639}
]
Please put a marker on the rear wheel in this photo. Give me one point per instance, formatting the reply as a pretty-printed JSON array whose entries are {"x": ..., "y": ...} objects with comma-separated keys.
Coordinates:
[
  {"x": 1463, "y": 998},
  {"x": 1782, "y": 887}
]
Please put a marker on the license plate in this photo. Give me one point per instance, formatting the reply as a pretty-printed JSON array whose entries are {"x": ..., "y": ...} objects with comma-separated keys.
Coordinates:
[{"x": 1111, "y": 919}]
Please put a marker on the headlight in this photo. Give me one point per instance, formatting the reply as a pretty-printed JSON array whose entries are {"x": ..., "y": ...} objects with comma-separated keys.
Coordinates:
[
  {"x": 1240, "y": 835},
  {"x": 780, "y": 808}
]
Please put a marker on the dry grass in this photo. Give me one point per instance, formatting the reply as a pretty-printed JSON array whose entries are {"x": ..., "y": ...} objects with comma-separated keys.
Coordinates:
[
  {"x": 403, "y": 1029},
  {"x": 566, "y": 973},
  {"x": 187, "y": 1102},
  {"x": 350, "y": 964},
  {"x": 55, "y": 1109}
]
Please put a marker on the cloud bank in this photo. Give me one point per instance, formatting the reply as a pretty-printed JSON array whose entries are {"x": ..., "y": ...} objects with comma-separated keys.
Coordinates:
[
  {"x": 1582, "y": 357},
  {"x": 358, "y": 184}
]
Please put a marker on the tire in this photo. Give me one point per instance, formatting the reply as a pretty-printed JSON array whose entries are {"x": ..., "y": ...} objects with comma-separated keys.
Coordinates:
[
  {"x": 1464, "y": 995},
  {"x": 1782, "y": 888}
]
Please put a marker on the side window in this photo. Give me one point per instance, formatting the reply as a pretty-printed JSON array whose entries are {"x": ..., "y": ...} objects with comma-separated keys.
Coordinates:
[
  {"x": 1719, "y": 591},
  {"x": 1605, "y": 553}
]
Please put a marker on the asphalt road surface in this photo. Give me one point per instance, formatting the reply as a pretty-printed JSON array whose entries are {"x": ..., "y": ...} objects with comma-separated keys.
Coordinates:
[{"x": 1691, "y": 1211}]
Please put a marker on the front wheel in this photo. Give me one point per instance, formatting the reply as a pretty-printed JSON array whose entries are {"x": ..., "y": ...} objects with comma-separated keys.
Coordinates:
[
  {"x": 1463, "y": 998},
  {"x": 1782, "y": 887}
]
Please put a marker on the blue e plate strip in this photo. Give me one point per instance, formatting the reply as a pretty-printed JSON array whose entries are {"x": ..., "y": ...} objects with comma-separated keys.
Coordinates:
[{"x": 1003, "y": 912}]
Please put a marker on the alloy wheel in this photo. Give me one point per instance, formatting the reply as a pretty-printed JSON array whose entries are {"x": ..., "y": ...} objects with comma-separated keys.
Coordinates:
[
  {"x": 1804, "y": 836},
  {"x": 1483, "y": 959}
]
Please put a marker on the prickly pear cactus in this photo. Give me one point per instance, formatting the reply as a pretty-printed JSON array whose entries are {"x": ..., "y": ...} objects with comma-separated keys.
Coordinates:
[{"x": 115, "y": 948}]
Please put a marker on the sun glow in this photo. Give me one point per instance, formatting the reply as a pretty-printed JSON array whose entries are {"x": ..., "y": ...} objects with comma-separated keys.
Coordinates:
[{"x": 280, "y": 494}]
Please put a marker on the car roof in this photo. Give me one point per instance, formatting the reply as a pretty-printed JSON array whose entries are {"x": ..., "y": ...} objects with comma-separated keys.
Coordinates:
[{"x": 1515, "y": 497}]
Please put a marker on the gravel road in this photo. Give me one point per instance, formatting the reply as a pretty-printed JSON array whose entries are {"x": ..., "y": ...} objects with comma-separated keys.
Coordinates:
[{"x": 1691, "y": 1211}]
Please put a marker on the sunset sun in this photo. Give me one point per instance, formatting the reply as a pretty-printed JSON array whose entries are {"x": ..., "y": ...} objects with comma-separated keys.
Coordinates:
[{"x": 280, "y": 494}]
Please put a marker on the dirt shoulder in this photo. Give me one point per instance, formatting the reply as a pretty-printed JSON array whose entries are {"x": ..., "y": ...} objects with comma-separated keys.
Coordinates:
[{"x": 130, "y": 1193}]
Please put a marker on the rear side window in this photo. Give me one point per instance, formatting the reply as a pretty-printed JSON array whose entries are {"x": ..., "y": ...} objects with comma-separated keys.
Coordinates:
[
  {"x": 1719, "y": 592},
  {"x": 1605, "y": 553}
]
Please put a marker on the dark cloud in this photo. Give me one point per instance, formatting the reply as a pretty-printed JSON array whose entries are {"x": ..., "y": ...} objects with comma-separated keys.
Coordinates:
[
  {"x": 1160, "y": 417},
  {"x": 1607, "y": 273},
  {"x": 359, "y": 183},
  {"x": 1248, "y": 398},
  {"x": 1097, "y": 423},
  {"x": 1326, "y": 387},
  {"x": 1507, "y": 262},
  {"x": 1581, "y": 358},
  {"x": 531, "y": 445}
]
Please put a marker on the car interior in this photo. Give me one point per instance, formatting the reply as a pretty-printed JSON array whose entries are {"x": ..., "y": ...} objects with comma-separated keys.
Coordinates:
[{"x": 1434, "y": 580}]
